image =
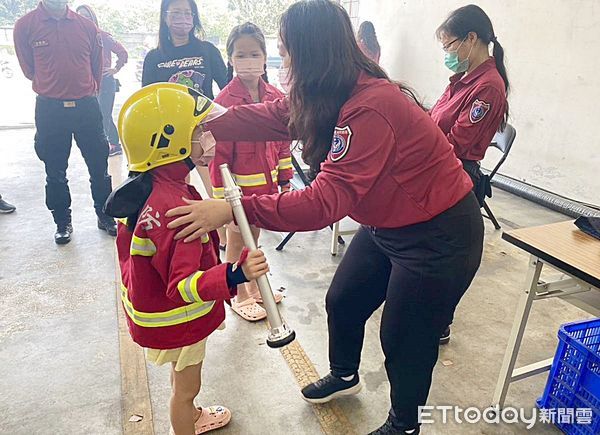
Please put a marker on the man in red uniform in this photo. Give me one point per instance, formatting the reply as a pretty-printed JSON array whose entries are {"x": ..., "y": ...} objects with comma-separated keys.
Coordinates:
[{"x": 61, "y": 53}]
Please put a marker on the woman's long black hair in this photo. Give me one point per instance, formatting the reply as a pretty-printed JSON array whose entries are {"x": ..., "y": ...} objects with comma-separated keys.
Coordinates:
[
  {"x": 366, "y": 34},
  {"x": 472, "y": 18},
  {"x": 164, "y": 37},
  {"x": 325, "y": 64}
]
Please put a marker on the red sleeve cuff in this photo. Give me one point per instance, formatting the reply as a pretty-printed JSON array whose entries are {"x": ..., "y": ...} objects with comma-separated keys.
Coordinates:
[
  {"x": 249, "y": 208},
  {"x": 213, "y": 284}
]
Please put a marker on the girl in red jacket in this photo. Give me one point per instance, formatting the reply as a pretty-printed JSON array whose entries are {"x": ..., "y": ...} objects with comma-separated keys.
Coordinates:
[
  {"x": 260, "y": 168},
  {"x": 172, "y": 292}
]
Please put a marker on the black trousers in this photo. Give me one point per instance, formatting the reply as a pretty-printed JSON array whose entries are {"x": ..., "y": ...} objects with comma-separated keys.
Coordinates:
[
  {"x": 420, "y": 272},
  {"x": 57, "y": 122},
  {"x": 106, "y": 98}
]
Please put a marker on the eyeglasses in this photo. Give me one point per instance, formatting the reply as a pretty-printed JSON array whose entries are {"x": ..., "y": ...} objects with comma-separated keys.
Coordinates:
[
  {"x": 448, "y": 45},
  {"x": 180, "y": 14}
]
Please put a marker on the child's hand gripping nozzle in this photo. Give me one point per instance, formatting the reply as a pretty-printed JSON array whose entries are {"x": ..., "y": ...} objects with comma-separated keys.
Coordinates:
[{"x": 280, "y": 333}]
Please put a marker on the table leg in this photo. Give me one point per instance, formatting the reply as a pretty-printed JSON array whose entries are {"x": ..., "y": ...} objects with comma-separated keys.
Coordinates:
[{"x": 516, "y": 334}]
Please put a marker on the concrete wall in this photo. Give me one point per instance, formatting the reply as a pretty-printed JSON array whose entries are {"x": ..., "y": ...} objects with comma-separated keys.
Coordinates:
[{"x": 553, "y": 60}]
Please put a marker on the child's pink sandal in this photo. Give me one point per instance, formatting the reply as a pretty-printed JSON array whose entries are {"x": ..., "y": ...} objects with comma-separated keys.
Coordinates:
[
  {"x": 212, "y": 417},
  {"x": 249, "y": 310}
]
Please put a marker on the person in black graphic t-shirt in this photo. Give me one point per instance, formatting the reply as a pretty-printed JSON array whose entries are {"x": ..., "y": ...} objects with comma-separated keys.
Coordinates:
[{"x": 181, "y": 57}]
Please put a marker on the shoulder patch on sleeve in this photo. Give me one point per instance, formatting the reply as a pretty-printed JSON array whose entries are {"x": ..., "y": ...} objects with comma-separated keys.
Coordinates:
[
  {"x": 478, "y": 111},
  {"x": 341, "y": 143}
]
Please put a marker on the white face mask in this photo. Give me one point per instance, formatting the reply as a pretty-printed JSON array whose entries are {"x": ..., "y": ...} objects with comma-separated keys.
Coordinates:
[
  {"x": 55, "y": 5},
  {"x": 248, "y": 68}
]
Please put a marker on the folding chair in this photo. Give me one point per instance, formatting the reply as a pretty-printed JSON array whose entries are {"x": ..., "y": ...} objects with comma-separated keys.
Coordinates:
[
  {"x": 336, "y": 237},
  {"x": 503, "y": 140}
]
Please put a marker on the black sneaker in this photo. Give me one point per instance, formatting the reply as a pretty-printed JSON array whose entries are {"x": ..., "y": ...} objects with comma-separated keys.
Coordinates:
[
  {"x": 62, "y": 236},
  {"x": 445, "y": 338},
  {"x": 388, "y": 428},
  {"x": 107, "y": 224},
  {"x": 330, "y": 387},
  {"x": 5, "y": 207}
]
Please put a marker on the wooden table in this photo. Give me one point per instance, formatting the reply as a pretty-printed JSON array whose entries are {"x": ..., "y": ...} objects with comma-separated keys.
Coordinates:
[{"x": 565, "y": 248}]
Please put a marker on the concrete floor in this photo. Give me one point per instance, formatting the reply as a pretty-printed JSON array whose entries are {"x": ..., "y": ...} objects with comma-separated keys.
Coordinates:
[{"x": 59, "y": 348}]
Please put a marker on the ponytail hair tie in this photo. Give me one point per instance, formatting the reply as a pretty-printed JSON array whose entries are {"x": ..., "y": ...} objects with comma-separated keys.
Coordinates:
[{"x": 494, "y": 39}]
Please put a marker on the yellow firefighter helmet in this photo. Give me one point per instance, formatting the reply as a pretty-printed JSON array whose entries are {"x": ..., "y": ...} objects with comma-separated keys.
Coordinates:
[{"x": 156, "y": 124}]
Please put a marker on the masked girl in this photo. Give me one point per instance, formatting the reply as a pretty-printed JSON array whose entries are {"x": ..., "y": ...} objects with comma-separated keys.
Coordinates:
[{"x": 259, "y": 168}]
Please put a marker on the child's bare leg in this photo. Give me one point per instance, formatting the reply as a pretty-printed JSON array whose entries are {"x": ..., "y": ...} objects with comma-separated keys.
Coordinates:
[
  {"x": 222, "y": 236},
  {"x": 185, "y": 388}
]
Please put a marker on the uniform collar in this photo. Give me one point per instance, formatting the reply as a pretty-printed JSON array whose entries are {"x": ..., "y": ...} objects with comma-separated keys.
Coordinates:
[
  {"x": 46, "y": 15},
  {"x": 239, "y": 90},
  {"x": 475, "y": 74},
  {"x": 172, "y": 172},
  {"x": 364, "y": 80}
]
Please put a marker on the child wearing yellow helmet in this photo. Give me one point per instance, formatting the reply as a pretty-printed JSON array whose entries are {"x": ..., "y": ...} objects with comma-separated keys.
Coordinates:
[{"x": 172, "y": 292}]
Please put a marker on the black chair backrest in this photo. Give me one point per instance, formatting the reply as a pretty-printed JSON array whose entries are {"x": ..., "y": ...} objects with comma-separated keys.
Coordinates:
[{"x": 503, "y": 140}]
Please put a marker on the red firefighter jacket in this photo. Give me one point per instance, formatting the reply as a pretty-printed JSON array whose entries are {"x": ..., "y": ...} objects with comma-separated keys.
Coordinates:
[
  {"x": 172, "y": 292},
  {"x": 257, "y": 167}
]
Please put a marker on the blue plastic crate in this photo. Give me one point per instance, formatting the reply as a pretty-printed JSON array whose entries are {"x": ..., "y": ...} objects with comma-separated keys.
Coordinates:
[{"x": 574, "y": 380}]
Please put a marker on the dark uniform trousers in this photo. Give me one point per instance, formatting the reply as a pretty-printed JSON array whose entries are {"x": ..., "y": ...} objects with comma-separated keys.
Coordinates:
[
  {"x": 57, "y": 122},
  {"x": 420, "y": 272}
]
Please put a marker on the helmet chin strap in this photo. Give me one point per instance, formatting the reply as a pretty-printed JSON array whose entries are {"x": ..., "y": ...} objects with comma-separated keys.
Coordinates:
[{"x": 189, "y": 162}]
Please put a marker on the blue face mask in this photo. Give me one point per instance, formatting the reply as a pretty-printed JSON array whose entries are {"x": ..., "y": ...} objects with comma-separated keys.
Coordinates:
[{"x": 454, "y": 64}]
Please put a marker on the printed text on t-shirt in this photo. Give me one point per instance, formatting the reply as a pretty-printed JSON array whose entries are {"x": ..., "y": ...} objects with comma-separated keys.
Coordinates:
[{"x": 186, "y": 62}]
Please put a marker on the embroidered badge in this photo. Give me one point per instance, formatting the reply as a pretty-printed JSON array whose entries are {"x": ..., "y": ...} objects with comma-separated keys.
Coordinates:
[
  {"x": 478, "y": 111},
  {"x": 40, "y": 43},
  {"x": 341, "y": 143}
]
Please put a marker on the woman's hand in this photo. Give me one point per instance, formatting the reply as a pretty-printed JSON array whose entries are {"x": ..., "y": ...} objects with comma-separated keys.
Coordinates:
[{"x": 199, "y": 217}]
